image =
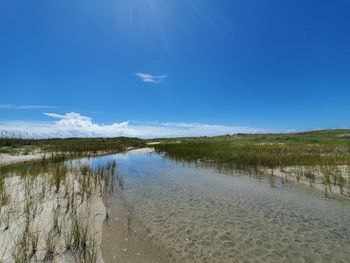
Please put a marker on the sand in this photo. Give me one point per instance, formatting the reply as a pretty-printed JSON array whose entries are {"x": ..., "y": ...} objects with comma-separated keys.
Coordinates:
[
  {"x": 9, "y": 159},
  {"x": 153, "y": 143},
  {"x": 123, "y": 243},
  {"x": 293, "y": 174},
  {"x": 35, "y": 211}
]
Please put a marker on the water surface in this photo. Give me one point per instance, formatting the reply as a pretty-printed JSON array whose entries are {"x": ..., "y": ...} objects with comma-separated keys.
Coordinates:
[{"x": 201, "y": 215}]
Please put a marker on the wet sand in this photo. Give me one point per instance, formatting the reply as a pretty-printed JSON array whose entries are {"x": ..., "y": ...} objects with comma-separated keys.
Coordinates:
[
  {"x": 121, "y": 243},
  {"x": 200, "y": 215},
  {"x": 189, "y": 214}
]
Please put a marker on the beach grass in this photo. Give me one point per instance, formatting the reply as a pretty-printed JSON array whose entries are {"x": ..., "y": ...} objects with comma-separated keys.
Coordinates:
[
  {"x": 324, "y": 153},
  {"x": 268, "y": 150},
  {"x": 77, "y": 146},
  {"x": 55, "y": 221}
]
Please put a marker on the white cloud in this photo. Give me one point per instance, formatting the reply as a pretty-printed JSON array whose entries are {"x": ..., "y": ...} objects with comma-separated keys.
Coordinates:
[
  {"x": 55, "y": 115},
  {"x": 150, "y": 78},
  {"x": 24, "y": 107},
  {"x": 76, "y": 125}
]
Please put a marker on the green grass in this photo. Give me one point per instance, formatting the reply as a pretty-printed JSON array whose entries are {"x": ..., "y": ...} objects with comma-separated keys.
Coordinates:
[
  {"x": 59, "y": 150},
  {"x": 69, "y": 145},
  {"x": 309, "y": 154},
  {"x": 324, "y": 148},
  {"x": 266, "y": 150}
]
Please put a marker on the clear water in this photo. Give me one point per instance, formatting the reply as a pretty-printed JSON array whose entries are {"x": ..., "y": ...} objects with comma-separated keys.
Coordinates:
[{"x": 201, "y": 215}]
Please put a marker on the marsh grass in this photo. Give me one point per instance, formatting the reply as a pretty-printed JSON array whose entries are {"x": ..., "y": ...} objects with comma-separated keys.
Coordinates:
[
  {"x": 34, "y": 241},
  {"x": 307, "y": 156},
  {"x": 80, "y": 231},
  {"x": 272, "y": 179},
  {"x": 129, "y": 218},
  {"x": 120, "y": 180},
  {"x": 310, "y": 175},
  {"x": 4, "y": 198},
  {"x": 55, "y": 198},
  {"x": 50, "y": 247},
  {"x": 20, "y": 253},
  {"x": 10, "y": 142}
]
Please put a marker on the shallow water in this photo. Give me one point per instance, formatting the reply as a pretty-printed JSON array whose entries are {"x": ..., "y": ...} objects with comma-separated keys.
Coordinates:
[{"x": 201, "y": 215}]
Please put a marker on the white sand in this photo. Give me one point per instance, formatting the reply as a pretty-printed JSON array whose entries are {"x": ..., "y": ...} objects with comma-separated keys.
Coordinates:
[
  {"x": 142, "y": 150},
  {"x": 9, "y": 159},
  {"x": 44, "y": 206},
  {"x": 294, "y": 174},
  {"x": 153, "y": 143}
]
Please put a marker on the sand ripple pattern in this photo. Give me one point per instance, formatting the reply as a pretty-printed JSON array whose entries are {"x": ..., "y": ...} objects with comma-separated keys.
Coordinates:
[{"x": 200, "y": 215}]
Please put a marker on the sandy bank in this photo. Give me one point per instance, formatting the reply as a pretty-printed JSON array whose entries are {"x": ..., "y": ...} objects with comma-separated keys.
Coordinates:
[
  {"x": 9, "y": 159},
  {"x": 338, "y": 182},
  {"x": 153, "y": 143},
  {"x": 43, "y": 221},
  {"x": 142, "y": 150}
]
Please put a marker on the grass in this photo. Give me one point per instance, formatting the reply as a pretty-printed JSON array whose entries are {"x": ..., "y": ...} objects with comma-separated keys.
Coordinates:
[
  {"x": 241, "y": 153},
  {"x": 71, "y": 187},
  {"x": 120, "y": 180},
  {"x": 72, "y": 146},
  {"x": 324, "y": 151},
  {"x": 50, "y": 247},
  {"x": 21, "y": 254},
  {"x": 129, "y": 218},
  {"x": 67, "y": 191},
  {"x": 308, "y": 154},
  {"x": 57, "y": 150}
]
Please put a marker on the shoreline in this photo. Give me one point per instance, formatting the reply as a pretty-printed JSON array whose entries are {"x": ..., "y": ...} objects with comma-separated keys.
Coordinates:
[
  {"x": 7, "y": 159},
  {"x": 93, "y": 212},
  {"x": 291, "y": 174},
  {"x": 117, "y": 242}
]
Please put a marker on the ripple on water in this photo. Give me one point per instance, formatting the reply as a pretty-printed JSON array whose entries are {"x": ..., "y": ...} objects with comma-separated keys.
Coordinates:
[{"x": 204, "y": 216}]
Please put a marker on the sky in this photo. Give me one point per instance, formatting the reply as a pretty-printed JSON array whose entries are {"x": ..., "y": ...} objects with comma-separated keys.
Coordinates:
[{"x": 151, "y": 68}]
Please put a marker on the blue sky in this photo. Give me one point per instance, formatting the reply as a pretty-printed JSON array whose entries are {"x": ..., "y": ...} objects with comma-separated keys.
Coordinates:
[{"x": 173, "y": 67}]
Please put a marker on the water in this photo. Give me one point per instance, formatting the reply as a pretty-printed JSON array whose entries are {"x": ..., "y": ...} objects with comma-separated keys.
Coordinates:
[{"x": 201, "y": 215}]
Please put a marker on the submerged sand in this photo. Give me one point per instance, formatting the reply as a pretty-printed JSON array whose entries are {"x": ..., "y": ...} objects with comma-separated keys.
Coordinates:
[
  {"x": 125, "y": 238},
  {"x": 201, "y": 215},
  {"x": 48, "y": 215}
]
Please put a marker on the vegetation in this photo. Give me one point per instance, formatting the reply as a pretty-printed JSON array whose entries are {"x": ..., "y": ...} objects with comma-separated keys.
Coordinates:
[
  {"x": 309, "y": 153},
  {"x": 12, "y": 142},
  {"x": 268, "y": 150},
  {"x": 55, "y": 221},
  {"x": 61, "y": 191}
]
